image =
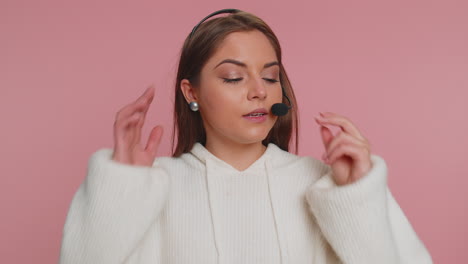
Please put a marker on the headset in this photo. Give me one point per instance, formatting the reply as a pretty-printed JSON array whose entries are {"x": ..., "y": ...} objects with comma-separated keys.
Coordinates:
[{"x": 278, "y": 109}]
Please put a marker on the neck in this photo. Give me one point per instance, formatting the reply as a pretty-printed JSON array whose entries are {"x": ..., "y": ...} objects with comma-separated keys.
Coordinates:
[{"x": 239, "y": 156}]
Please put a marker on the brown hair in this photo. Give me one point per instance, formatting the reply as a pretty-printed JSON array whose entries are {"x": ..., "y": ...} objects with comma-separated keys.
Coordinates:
[{"x": 196, "y": 51}]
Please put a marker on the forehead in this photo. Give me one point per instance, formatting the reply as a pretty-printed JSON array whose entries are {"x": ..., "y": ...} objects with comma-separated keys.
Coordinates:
[{"x": 251, "y": 47}]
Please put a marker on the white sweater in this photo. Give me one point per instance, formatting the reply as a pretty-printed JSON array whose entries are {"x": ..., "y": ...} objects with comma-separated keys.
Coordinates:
[{"x": 199, "y": 209}]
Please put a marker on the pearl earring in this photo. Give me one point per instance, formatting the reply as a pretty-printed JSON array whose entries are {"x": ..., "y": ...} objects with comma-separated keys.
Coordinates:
[{"x": 193, "y": 106}]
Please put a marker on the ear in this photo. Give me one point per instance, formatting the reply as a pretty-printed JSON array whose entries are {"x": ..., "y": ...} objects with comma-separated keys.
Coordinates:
[{"x": 188, "y": 91}]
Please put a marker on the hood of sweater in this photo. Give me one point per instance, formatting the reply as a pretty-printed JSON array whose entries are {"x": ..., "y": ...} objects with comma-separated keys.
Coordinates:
[
  {"x": 264, "y": 166},
  {"x": 274, "y": 157},
  {"x": 204, "y": 156}
]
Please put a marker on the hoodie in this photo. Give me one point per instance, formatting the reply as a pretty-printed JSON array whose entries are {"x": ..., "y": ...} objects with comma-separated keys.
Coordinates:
[{"x": 196, "y": 208}]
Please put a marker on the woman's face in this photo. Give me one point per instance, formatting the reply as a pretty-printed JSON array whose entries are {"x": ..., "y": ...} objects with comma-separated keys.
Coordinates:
[{"x": 238, "y": 86}]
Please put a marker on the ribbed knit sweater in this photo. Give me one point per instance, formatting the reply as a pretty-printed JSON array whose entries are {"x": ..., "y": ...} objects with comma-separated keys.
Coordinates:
[{"x": 198, "y": 209}]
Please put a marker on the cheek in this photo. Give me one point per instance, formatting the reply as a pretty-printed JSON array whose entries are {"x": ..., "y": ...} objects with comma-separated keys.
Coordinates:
[
  {"x": 219, "y": 107},
  {"x": 221, "y": 100},
  {"x": 275, "y": 96}
]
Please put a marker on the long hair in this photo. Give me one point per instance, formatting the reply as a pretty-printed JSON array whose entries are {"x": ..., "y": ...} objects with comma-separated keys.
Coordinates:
[{"x": 196, "y": 51}]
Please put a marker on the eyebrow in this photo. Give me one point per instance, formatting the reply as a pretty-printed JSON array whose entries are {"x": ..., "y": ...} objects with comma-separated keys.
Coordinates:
[{"x": 239, "y": 63}]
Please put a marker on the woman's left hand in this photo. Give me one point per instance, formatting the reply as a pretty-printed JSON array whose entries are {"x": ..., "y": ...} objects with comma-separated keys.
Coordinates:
[{"x": 348, "y": 152}]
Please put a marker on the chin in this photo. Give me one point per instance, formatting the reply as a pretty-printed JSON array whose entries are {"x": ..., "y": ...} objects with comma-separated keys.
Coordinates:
[{"x": 255, "y": 136}]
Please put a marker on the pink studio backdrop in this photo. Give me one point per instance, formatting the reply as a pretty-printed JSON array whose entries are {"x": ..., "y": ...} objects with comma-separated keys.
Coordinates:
[{"x": 397, "y": 69}]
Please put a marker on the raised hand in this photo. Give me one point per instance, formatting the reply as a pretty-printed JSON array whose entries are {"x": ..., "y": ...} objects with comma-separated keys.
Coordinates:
[
  {"x": 127, "y": 133},
  {"x": 348, "y": 152}
]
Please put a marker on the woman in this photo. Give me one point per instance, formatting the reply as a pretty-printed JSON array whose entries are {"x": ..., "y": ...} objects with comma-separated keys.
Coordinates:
[{"x": 231, "y": 192}]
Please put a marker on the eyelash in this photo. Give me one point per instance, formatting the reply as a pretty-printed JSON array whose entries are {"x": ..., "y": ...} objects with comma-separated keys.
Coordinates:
[{"x": 239, "y": 79}]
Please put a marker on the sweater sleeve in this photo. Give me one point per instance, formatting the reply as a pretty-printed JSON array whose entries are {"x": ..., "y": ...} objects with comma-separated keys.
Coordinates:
[
  {"x": 111, "y": 210},
  {"x": 362, "y": 221}
]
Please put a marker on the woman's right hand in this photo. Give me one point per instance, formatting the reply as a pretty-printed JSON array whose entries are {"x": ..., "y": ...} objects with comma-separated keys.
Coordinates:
[{"x": 127, "y": 133}]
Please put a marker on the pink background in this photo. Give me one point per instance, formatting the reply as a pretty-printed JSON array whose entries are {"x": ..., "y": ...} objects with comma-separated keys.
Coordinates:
[{"x": 398, "y": 70}]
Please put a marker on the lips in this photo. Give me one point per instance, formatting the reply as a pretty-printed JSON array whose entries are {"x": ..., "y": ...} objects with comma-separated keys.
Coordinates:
[{"x": 257, "y": 112}]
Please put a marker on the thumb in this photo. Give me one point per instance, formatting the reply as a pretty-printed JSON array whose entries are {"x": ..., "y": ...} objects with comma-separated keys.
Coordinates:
[
  {"x": 327, "y": 135},
  {"x": 154, "y": 140}
]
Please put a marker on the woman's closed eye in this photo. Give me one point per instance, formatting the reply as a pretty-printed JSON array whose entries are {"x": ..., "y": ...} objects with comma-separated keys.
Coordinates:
[
  {"x": 226, "y": 80},
  {"x": 271, "y": 80}
]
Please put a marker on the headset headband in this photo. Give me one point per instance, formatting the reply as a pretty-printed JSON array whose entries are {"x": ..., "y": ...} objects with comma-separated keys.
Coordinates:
[{"x": 230, "y": 10}]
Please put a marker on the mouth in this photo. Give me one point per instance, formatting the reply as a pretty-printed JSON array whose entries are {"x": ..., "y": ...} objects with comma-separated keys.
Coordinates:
[{"x": 257, "y": 113}]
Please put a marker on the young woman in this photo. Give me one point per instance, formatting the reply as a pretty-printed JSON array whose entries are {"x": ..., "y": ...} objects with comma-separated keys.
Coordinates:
[{"x": 232, "y": 192}]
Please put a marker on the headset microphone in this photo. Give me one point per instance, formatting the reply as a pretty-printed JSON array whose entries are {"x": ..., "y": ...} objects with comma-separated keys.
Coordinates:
[{"x": 281, "y": 109}]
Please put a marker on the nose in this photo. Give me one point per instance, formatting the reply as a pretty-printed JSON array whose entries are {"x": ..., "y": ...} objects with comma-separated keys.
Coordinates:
[{"x": 257, "y": 90}]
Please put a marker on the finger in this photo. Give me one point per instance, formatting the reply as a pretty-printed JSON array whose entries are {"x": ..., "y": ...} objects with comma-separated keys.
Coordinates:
[
  {"x": 138, "y": 105},
  {"x": 154, "y": 140},
  {"x": 359, "y": 157},
  {"x": 123, "y": 122},
  {"x": 143, "y": 102},
  {"x": 344, "y": 138},
  {"x": 356, "y": 153},
  {"x": 344, "y": 123},
  {"x": 122, "y": 126},
  {"x": 123, "y": 130},
  {"x": 326, "y": 134},
  {"x": 141, "y": 122},
  {"x": 137, "y": 128},
  {"x": 149, "y": 90}
]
